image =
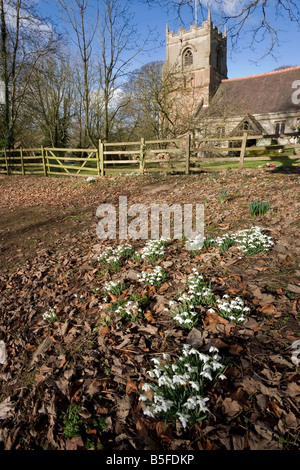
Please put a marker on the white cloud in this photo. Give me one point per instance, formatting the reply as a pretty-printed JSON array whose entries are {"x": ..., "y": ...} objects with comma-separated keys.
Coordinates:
[
  {"x": 27, "y": 21},
  {"x": 231, "y": 7},
  {"x": 227, "y": 7}
]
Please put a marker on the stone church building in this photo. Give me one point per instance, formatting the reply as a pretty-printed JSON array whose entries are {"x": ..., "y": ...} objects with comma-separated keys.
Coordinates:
[{"x": 266, "y": 104}]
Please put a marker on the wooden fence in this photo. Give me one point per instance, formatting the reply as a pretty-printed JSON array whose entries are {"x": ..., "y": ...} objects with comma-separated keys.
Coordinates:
[{"x": 173, "y": 155}]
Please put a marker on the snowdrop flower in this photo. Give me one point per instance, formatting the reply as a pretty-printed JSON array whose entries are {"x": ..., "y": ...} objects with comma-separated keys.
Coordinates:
[
  {"x": 183, "y": 418},
  {"x": 166, "y": 405},
  {"x": 216, "y": 365},
  {"x": 143, "y": 398},
  {"x": 190, "y": 404},
  {"x": 204, "y": 358},
  {"x": 201, "y": 403},
  {"x": 157, "y": 373},
  {"x": 206, "y": 374},
  {"x": 211, "y": 310},
  {"x": 179, "y": 379},
  {"x": 148, "y": 412},
  {"x": 146, "y": 387},
  {"x": 163, "y": 380},
  {"x": 194, "y": 385},
  {"x": 190, "y": 369},
  {"x": 179, "y": 319},
  {"x": 193, "y": 351}
]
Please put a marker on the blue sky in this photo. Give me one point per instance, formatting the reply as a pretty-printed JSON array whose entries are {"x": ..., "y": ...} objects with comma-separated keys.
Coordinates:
[{"x": 241, "y": 62}]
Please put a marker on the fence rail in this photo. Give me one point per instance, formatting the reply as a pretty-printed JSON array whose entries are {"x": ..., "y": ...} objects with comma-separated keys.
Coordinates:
[{"x": 176, "y": 155}]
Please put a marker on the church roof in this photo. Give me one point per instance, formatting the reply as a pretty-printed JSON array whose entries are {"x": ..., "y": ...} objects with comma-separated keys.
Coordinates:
[{"x": 257, "y": 94}]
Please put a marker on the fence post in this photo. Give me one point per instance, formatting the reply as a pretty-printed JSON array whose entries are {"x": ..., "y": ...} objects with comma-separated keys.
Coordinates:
[
  {"x": 44, "y": 161},
  {"x": 243, "y": 150},
  {"x": 142, "y": 156},
  {"x": 101, "y": 157},
  {"x": 188, "y": 155},
  {"x": 98, "y": 159},
  {"x": 6, "y": 161},
  {"x": 22, "y": 161}
]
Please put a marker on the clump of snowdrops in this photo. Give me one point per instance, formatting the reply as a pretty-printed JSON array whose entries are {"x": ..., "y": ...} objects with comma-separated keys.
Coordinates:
[
  {"x": 154, "y": 249},
  {"x": 153, "y": 278},
  {"x": 181, "y": 385}
]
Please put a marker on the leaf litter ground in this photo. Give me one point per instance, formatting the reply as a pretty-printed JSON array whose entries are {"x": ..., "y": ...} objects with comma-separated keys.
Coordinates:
[{"x": 76, "y": 382}]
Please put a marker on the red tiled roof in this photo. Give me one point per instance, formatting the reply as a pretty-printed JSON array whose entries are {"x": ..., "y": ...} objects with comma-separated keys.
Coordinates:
[
  {"x": 258, "y": 94},
  {"x": 287, "y": 70}
]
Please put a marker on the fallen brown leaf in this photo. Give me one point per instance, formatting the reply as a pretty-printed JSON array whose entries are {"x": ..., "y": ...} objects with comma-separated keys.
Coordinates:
[
  {"x": 269, "y": 309},
  {"x": 131, "y": 387}
]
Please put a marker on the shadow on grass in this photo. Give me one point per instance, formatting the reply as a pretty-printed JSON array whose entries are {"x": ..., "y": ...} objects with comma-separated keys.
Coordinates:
[{"x": 286, "y": 166}]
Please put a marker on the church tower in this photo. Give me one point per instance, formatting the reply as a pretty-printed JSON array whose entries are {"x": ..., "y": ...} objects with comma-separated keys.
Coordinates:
[{"x": 197, "y": 60}]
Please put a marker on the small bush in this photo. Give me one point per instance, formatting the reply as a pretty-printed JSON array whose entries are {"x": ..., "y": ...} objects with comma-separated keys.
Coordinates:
[{"x": 73, "y": 423}]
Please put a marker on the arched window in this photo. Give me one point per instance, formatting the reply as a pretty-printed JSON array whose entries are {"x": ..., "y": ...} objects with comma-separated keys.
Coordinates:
[
  {"x": 188, "y": 58},
  {"x": 279, "y": 128}
]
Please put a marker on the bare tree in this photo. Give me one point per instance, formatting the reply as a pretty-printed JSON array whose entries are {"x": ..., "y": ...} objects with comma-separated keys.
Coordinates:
[
  {"x": 258, "y": 18},
  {"x": 143, "y": 95},
  {"x": 161, "y": 102},
  {"x": 25, "y": 39},
  {"x": 50, "y": 101},
  {"x": 119, "y": 46},
  {"x": 79, "y": 16},
  {"x": 107, "y": 42}
]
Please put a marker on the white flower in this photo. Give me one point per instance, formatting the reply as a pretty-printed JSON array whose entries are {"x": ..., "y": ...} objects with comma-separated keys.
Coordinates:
[
  {"x": 146, "y": 387},
  {"x": 166, "y": 405},
  {"x": 201, "y": 403},
  {"x": 195, "y": 386},
  {"x": 179, "y": 379},
  {"x": 190, "y": 404},
  {"x": 183, "y": 418},
  {"x": 163, "y": 380},
  {"x": 204, "y": 358},
  {"x": 143, "y": 398},
  {"x": 148, "y": 412},
  {"x": 207, "y": 375}
]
